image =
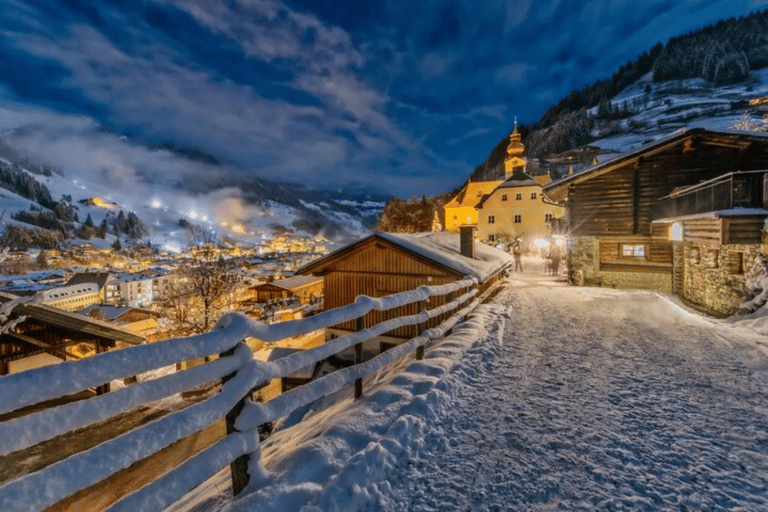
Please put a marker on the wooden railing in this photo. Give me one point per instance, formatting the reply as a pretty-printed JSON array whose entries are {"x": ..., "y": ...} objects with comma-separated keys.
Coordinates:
[{"x": 237, "y": 371}]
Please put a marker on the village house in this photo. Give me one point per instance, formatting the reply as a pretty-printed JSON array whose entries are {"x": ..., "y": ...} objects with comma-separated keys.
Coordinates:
[
  {"x": 387, "y": 263},
  {"x": 517, "y": 208},
  {"x": 38, "y": 335},
  {"x": 138, "y": 320},
  {"x": 70, "y": 298},
  {"x": 125, "y": 289},
  {"x": 301, "y": 287},
  {"x": 681, "y": 215}
]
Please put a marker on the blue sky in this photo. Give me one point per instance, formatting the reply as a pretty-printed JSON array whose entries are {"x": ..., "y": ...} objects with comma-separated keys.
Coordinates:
[{"x": 404, "y": 96}]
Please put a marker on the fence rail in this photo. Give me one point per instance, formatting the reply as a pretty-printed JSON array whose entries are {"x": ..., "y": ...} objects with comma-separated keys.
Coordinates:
[{"x": 239, "y": 374}]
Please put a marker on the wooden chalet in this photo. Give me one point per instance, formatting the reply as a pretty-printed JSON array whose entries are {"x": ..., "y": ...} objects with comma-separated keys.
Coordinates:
[
  {"x": 37, "y": 335},
  {"x": 303, "y": 287},
  {"x": 387, "y": 263},
  {"x": 638, "y": 220}
]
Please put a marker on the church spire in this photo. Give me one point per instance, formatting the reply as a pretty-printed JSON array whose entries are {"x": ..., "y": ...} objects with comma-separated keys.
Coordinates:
[{"x": 515, "y": 151}]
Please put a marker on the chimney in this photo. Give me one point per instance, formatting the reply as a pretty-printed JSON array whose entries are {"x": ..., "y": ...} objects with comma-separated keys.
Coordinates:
[{"x": 467, "y": 237}]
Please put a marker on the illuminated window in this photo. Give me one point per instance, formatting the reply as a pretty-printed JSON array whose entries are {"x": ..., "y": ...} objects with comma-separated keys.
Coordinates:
[
  {"x": 676, "y": 232},
  {"x": 533, "y": 195},
  {"x": 633, "y": 250},
  {"x": 518, "y": 219},
  {"x": 469, "y": 219},
  {"x": 518, "y": 197},
  {"x": 503, "y": 197},
  {"x": 491, "y": 219},
  {"x": 455, "y": 220}
]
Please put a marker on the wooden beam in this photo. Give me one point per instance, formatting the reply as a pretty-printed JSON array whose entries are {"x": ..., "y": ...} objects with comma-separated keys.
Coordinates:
[{"x": 46, "y": 346}]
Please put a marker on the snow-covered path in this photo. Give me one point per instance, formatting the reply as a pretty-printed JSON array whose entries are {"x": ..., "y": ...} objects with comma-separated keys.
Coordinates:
[
  {"x": 549, "y": 398},
  {"x": 602, "y": 401}
]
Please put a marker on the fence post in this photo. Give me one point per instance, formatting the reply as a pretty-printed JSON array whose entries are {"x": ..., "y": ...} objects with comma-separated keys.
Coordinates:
[
  {"x": 359, "y": 359},
  {"x": 239, "y": 468},
  {"x": 449, "y": 314},
  {"x": 101, "y": 347},
  {"x": 421, "y": 328}
]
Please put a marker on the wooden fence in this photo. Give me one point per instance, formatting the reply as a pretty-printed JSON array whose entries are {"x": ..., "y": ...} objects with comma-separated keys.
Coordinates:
[{"x": 237, "y": 371}]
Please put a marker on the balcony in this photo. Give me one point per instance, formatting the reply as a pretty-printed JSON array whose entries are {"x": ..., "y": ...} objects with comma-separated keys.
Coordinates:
[{"x": 745, "y": 189}]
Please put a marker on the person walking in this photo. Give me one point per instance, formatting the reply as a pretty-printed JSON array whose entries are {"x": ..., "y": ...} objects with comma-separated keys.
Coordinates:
[{"x": 517, "y": 252}]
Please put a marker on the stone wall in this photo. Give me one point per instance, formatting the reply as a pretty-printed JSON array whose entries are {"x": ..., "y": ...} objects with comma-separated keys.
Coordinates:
[
  {"x": 715, "y": 275},
  {"x": 585, "y": 270},
  {"x": 583, "y": 254}
]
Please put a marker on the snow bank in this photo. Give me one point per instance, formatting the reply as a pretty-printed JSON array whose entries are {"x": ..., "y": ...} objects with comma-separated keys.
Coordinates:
[{"x": 373, "y": 434}]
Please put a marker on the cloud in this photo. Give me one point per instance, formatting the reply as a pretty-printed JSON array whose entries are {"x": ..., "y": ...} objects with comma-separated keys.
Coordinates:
[{"x": 406, "y": 96}]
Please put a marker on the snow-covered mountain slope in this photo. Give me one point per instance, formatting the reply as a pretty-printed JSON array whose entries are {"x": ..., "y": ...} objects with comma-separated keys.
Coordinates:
[
  {"x": 168, "y": 191},
  {"x": 662, "y": 108}
]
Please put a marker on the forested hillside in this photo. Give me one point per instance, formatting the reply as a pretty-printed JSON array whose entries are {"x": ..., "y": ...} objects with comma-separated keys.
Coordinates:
[{"x": 722, "y": 54}]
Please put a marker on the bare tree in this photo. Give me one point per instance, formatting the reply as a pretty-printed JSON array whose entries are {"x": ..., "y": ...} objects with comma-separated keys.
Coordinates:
[{"x": 202, "y": 289}]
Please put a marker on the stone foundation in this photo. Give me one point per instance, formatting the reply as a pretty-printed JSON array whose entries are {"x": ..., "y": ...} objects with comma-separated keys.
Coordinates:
[{"x": 712, "y": 277}]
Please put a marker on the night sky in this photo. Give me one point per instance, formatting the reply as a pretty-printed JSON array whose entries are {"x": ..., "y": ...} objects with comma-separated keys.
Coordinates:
[{"x": 408, "y": 96}]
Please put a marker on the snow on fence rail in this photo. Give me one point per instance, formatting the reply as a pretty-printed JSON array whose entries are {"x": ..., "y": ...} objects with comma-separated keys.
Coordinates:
[{"x": 239, "y": 374}]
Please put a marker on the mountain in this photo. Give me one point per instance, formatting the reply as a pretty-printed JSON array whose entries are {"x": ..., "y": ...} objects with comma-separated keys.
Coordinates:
[
  {"x": 155, "y": 193},
  {"x": 705, "y": 78}
]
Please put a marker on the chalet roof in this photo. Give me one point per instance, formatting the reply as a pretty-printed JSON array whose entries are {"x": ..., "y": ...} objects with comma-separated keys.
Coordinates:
[
  {"x": 558, "y": 190},
  {"x": 100, "y": 278},
  {"x": 73, "y": 321},
  {"x": 519, "y": 179},
  {"x": 472, "y": 193},
  {"x": 292, "y": 283},
  {"x": 442, "y": 248},
  {"x": 111, "y": 313}
]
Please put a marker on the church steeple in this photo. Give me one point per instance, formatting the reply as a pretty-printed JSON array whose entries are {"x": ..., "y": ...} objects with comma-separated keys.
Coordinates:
[{"x": 515, "y": 151}]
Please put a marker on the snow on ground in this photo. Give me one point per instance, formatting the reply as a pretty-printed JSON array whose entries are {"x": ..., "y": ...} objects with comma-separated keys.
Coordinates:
[{"x": 550, "y": 397}]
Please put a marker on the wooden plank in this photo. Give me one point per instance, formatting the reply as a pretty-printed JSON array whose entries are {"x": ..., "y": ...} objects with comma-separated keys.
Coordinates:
[{"x": 111, "y": 489}]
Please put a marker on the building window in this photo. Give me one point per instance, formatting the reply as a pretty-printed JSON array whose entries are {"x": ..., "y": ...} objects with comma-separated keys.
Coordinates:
[
  {"x": 633, "y": 250},
  {"x": 518, "y": 197},
  {"x": 518, "y": 219},
  {"x": 533, "y": 195},
  {"x": 491, "y": 219},
  {"x": 491, "y": 238},
  {"x": 455, "y": 220},
  {"x": 547, "y": 217},
  {"x": 469, "y": 219},
  {"x": 503, "y": 197},
  {"x": 736, "y": 262}
]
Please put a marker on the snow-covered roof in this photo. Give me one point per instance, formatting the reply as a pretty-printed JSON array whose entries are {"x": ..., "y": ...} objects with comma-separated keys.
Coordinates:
[
  {"x": 293, "y": 282},
  {"x": 443, "y": 248},
  {"x": 75, "y": 290},
  {"x": 557, "y": 188},
  {"x": 520, "y": 179}
]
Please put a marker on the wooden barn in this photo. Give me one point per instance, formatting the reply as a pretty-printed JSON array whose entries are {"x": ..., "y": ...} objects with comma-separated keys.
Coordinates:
[
  {"x": 639, "y": 220},
  {"x": 387, "y": 263},
  {"x": 303, "y": 287}
]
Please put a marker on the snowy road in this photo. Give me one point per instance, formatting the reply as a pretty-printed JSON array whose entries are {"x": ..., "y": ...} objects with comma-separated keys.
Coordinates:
[
  {"x": 601, "y": 401},
  {"x": 551, "y": 398}
]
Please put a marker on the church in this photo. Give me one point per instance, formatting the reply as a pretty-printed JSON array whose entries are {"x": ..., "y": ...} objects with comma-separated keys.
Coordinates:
[{"x": 504, "y": 209}]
